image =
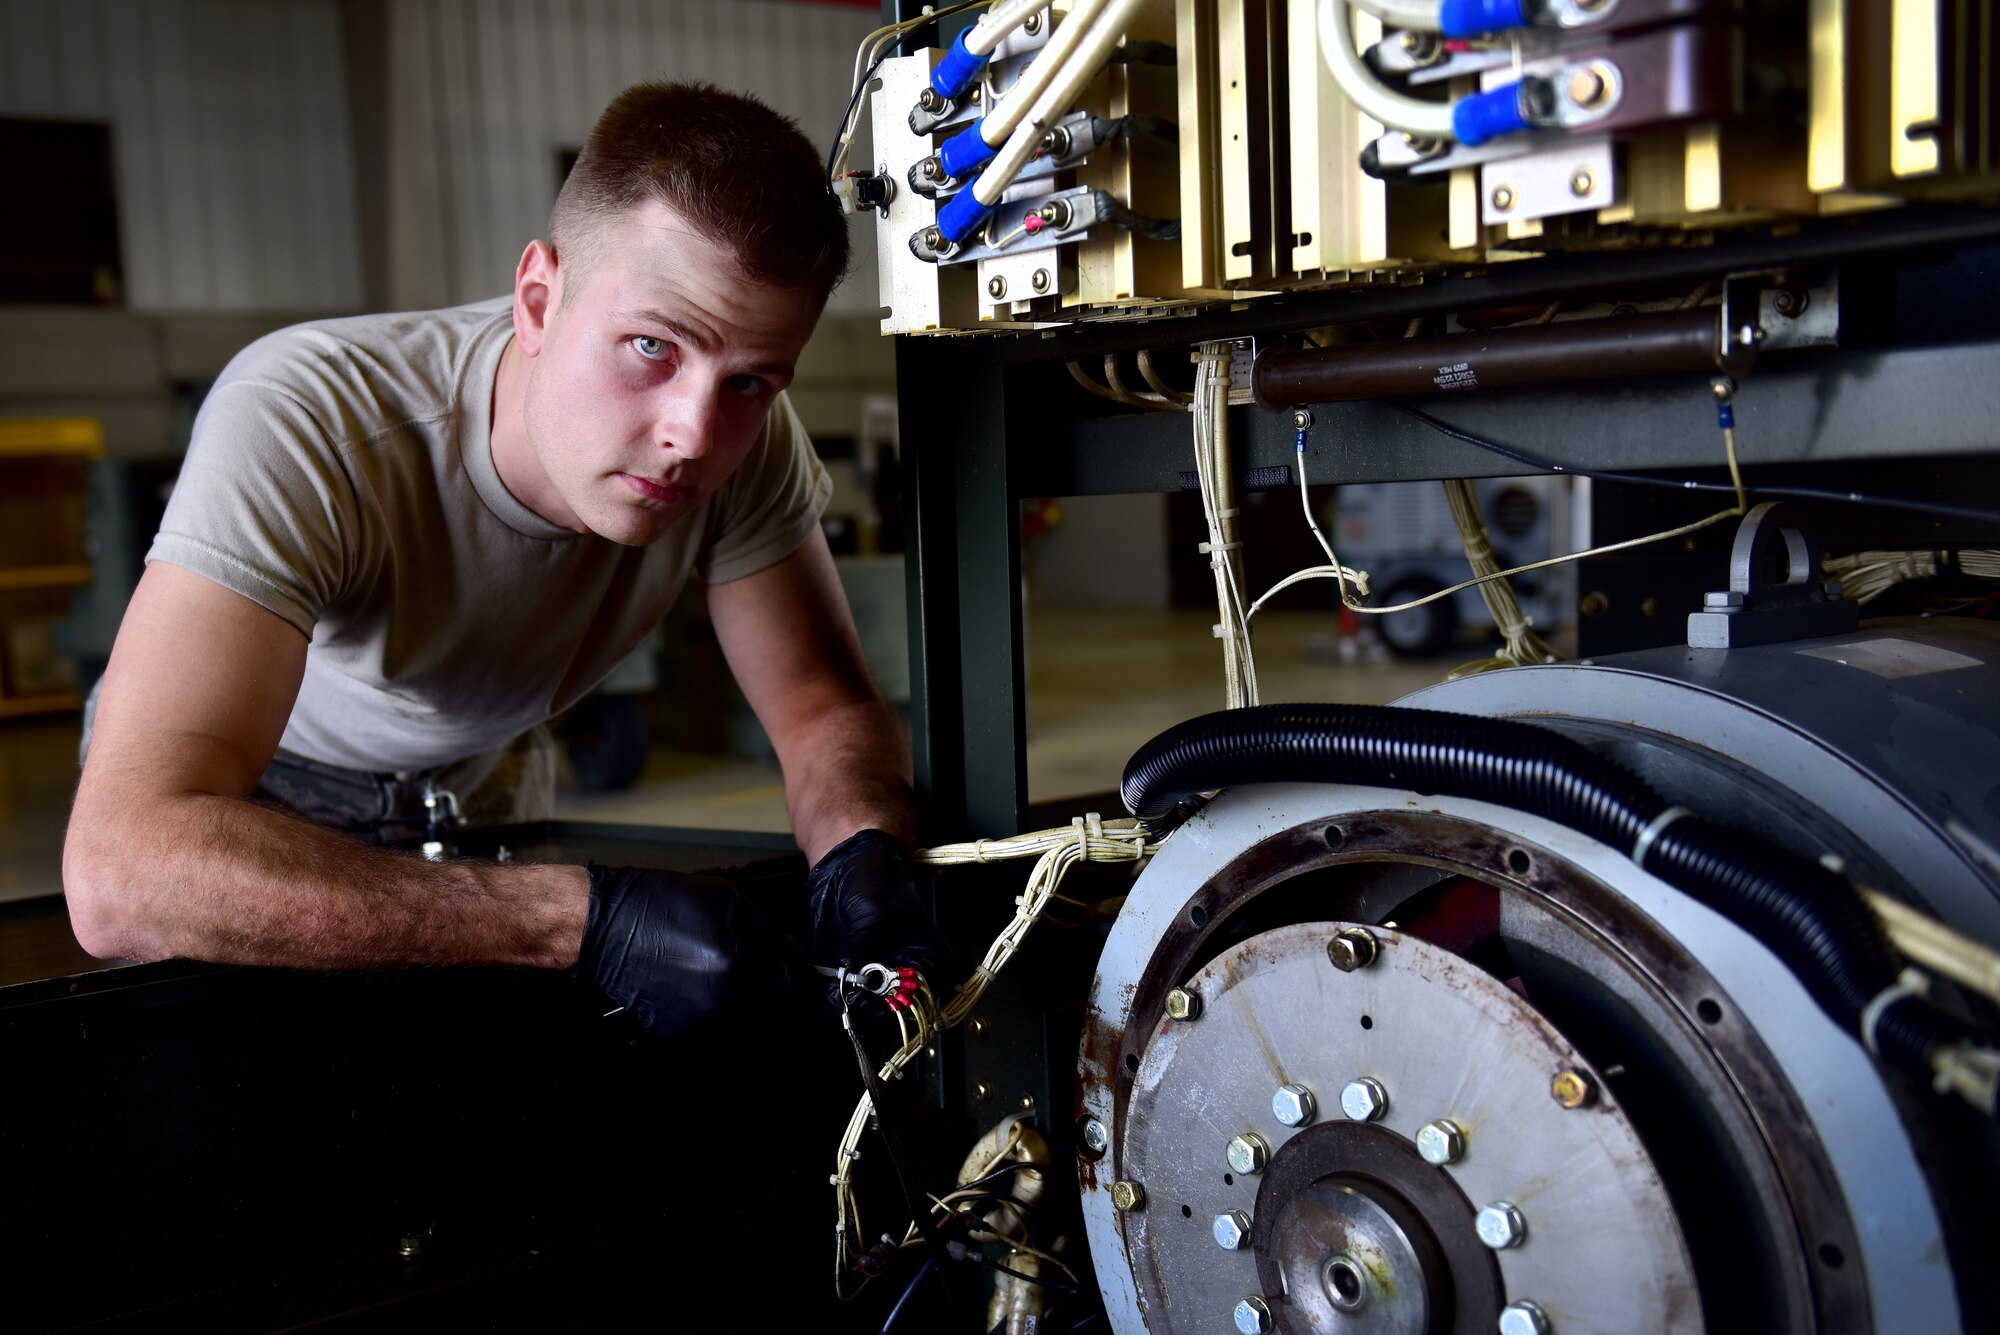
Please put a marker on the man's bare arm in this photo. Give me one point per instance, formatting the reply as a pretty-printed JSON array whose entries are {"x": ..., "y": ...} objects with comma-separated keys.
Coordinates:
[
  {"x": 166, "y": 856},
  {"x": 790, "y": 640}
]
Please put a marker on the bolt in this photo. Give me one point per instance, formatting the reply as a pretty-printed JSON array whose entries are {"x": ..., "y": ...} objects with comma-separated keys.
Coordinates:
[
  {"x": 1293, "y": 1105},
  {"x": 1027, "y": 1103},
  {"x": 1503, "y": 198},
  {"x": 1095, "y": 1137},
  {"x": 931, "y": 101},
  {"x": 1351, "y": 948},
  {"x": 1033, "y": 25},
  {"x": 1524, "y": 1318},
  {"x": 979, "y": 1026},
  {"x": 1302, "y": 419},
  {"x": 1587, "y": 85},
  {"x": 1500, "y": 1226},
  {"x": 996, "y": 287},
  {"x": 1364, "y": 1100},
  {"x": 1722, "y": 598},
  {"x": 1253, "y": 1316},
  {"x": 1183, "y": 1005},
  {"x": 1040, "y": 281},
  {"x": 1056, "y": 213},
  {"x": 981, "y": 1091},
  {"x": 1594, "y": 605},
  {"x": 1723, "y": 388},
  {"x": 1441, "y": 1142},
  {"x": 1127, "y": 1197},
  {"x": 1248, "y": 1153},
  {"x": 1582, "y": 181},
  {"x": 1056, "y": 142},
  {"x": 930, "y": 168},
  {"x": 933, "y": 239},
  {"x": 1572, "y": 1089},
  {"x": 1231, "y": 1229}
]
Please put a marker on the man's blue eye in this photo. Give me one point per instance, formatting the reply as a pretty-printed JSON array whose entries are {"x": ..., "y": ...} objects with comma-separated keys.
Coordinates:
[
  {"x": 747, "y": 384},
  {"x": 652, "y": 349}
]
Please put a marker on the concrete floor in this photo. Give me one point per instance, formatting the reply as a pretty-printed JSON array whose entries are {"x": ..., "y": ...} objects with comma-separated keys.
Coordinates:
[{"x": 1100, "y": 685}]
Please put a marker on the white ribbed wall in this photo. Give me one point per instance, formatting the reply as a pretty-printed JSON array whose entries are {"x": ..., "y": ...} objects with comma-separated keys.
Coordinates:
[{"x": 230, "y": 135}]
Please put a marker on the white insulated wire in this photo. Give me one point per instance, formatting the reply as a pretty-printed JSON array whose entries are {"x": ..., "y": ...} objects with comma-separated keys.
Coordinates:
[
  {"x": 1210, "y": 413},
  {"x": 1044, "y": 71},
  {"x": 1000, "y": 20},
  {"x": 1067, "y": 81},
  {"x": 1413, "y": 15},
  {"x": 1398, "y": 111}
]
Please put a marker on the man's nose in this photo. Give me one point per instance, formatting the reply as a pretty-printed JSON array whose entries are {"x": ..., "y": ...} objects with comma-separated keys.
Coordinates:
[{"x": 688, "y": 425}]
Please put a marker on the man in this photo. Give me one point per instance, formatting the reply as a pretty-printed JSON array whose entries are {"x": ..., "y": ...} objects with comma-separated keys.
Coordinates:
[{"x": 402, "y": 543}]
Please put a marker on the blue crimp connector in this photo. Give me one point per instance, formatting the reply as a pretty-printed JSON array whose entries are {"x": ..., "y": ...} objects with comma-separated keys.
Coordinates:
[
  {"x": 1725, "y": 416},
  {"x": 1469, "y": 18},
  {"x": 965, "y": 153},
  {"x": 961, "y": 215},
  {"x": 1488, "y": 115},
  {"x": 955, "y": 72}
]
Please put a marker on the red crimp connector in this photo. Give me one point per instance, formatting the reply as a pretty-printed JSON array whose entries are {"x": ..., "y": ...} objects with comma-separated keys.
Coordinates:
[{"x": 1032, "y": 224}]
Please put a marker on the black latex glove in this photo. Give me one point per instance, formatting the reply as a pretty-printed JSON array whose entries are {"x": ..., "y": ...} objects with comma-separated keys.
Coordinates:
[
  {"x": 675, "y": 948},
  {"x": 865, "y": 910}
]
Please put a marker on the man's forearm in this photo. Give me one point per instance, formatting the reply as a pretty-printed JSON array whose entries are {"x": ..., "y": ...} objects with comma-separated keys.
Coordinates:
[
  {"x": 223, "y": 879},
  {"x": 849, "y": 770}
]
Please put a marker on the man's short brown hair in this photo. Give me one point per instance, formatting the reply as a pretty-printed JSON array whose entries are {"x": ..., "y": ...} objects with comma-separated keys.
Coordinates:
[{"x": 741, "y": 174}]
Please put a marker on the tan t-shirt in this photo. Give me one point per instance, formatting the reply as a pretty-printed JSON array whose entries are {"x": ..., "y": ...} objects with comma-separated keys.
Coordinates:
[{"x": 342, "y": 476}]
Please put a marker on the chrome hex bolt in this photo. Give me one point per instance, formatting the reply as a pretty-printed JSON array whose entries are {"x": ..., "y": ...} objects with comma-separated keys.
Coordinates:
[
  {"x": 931, "y": 101},
  {"x": 1572, "y": 1089},
  {"x": 1248, "y": 1153},
  {"x": 1095, "y": 1137},
  {"x": 1524, "y": 1318},
  {"x": 1232, "y": 1230},
  {"x": 1353, "y": 948},
  {"x": 1441, "y": 1142},
  {"x": 1364, "y": 1100},
  {"x": 1127, "y": 1197},
  {"x": 1293, "y": 1105},
  {"x": 1183, "y": 1005},
  {"x": 1253, "y": 1316},
  {"x": 1501, "y": 1226}
]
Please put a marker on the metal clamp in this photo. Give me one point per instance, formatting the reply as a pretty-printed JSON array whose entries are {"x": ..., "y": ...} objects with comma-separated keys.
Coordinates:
[{"x": 1752, "y": 610}]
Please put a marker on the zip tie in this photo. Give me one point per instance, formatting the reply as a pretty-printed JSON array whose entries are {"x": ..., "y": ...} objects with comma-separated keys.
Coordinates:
[
  {"x": 1652, "y": 831},
  {"x": 1909, "y": 983}
]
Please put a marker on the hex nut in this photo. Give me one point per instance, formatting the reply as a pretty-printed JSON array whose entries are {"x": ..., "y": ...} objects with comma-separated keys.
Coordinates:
[
  {"x": 1127, "y": 1197},
  {"x": 1183, "y": 1004},
  {"x": 1232, "y": 1230},
  {"x": 1248, "y": 1153},
  {"x": 1501, "y": 1226},
  {"x": 1364, "y": 1100},
  {"x": 1524, "y": 1318},
  {"x": 1096, "y": 1137},
  {"x": 1253, "y": 1316},
  {"x": 1352, "y": 948},
  {"x": 1586, "y": 86},
  {"x": 1441, "y": 1142},
  {"x": 1572, "y": 1089},
  {"x": 1293, "y": 1105}
]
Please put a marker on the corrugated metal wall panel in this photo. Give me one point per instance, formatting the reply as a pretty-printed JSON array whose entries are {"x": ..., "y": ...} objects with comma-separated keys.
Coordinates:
[{"x": 230, "y": 134}]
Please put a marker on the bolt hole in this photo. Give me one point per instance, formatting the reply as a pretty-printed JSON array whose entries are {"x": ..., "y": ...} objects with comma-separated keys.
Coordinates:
[
  {"x": 1334, "y": 836},
  {"x": 1198, "y": 915},
  {"x": 1707, "y": 1009},
  {"x": 1367, "y": 1022},
  {"x": 1518, "y": 861},
  {"x": 1229, "y": 1179},
  {"x": 1346, "y": 1284},
  {"x": 1187, "y": 1212},
  {"x": 1132, "y": 1062},
  {"x": 1832, "y": 1256}
]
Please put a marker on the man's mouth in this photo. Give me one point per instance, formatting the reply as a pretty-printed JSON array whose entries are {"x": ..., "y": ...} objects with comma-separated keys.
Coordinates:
[{"x": 667, "y": 493}]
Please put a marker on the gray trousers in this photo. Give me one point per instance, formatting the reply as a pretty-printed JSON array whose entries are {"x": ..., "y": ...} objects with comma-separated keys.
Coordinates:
[{"x": 507, "y": 785}]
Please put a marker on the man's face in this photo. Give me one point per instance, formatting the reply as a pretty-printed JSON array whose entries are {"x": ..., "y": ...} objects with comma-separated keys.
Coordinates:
[{"x": 651, "y": 375}]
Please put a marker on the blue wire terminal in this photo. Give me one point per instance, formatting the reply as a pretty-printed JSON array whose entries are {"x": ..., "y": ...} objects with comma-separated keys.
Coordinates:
[
  {"x": 965, "y": 153},
  {"x": 956, "y": 71},
  {"x": 1490, "y": 114},
  {"x": 1469, "y": 18},
  {"x": 961, "y": 215}
]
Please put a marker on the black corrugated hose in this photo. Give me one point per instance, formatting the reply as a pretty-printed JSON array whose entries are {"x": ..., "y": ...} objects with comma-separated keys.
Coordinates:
[{"x": 1814, "y": 920}]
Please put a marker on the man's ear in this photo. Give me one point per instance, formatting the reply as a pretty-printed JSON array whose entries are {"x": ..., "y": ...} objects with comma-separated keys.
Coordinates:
[{"x": 537, "y": 293}]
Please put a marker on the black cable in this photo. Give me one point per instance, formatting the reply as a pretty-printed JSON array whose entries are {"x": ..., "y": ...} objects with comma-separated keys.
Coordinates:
[
  {"x": 852, "y": 102},
  {"x": 1159, "y": 229},
  {"x": 1106, "y": 129},
  {"x": 1033, "y": 1279},
  {"x": 1684, "y": 484},
  {"x": 903, "y": 1301},
  {"x": 1136, "y": 52}
]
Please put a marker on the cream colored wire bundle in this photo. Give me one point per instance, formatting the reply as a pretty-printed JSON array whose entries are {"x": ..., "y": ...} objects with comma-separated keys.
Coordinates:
[
  {"x": 1866, "y": 576},
  {"x": 1210, "y": 414},
  {"x": 1086, "y": 839},
  {"x": 1520, "y": 645}
]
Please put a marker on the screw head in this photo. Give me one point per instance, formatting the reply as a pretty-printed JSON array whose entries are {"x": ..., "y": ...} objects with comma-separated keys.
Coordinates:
[
  {"x": 1034, "y": 24},
  {"x": 1253, "y": 1316},
  {"x": 1040, "y": 280},
  {"x": 1293, "y": 1105},
  {"x": 1096, "y": 1138},
  {"x": 996, "y": 287},
  {"x": 1524, "y": 1318},
  {"x": 1248, "y": 1153},
  {"x": 1231, "y": 1229},
  {"x": 1364, "y": 1100},
  {"x": 1586, "y": 86},
  {"x": 1501, "y": 1226},
  {"x": 1572, "y": 1089},
  {"x": 978, "y": 1026},
  {"x": 1302, "y": 419},
  {"x": 930, "y": 169},
  {"x": 1441, "y": 1142},
  {"x": 1582, "y": 181},
  {"x": 933, "y": 239},
  {"x": 982, "y": 1091},
  {"x": 1127, "y": 1196},
  {"x": 931, "y": 100},
  {"x": 1183, "y": 1005},
  {"x": 1352, "y": 948},
  {"x": 1503, "y": 198}
]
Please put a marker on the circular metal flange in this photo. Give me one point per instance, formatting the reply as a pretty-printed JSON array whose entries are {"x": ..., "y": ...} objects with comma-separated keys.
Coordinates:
[{"x": 1443, "y": 1038}]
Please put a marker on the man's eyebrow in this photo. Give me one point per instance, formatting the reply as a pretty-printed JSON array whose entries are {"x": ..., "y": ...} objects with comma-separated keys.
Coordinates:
[{"x": 686, "y": 333}]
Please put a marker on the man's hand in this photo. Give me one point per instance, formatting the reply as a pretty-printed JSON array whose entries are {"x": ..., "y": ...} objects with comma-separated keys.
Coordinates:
[
  {"x": 865, "y": 910},
  {"x": 674, "y": 948}
]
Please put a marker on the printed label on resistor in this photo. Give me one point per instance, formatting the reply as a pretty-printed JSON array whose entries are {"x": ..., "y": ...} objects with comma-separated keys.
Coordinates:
[{"x": 1460, "y": 376}]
